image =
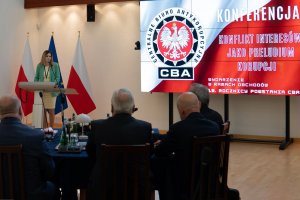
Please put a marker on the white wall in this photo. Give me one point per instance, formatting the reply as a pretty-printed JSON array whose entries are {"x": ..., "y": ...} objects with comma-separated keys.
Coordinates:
[
  {"x": 15, "y": 23},
  {"x": 112, "y": 62}
]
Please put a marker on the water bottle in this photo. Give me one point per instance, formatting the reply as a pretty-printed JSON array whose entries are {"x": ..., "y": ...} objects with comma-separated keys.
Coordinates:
[{"x": 63, "y": 138}]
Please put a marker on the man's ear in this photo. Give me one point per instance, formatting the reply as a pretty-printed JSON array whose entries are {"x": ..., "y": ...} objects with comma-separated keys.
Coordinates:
[
  {"x": 112, "y": 109},
  {"x": 181, "y": 113},
  {"x": 20, "y": 112}
]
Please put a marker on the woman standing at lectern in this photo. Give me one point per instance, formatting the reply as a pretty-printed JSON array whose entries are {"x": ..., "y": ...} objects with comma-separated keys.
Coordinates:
[{"x": 48, "y": 71}]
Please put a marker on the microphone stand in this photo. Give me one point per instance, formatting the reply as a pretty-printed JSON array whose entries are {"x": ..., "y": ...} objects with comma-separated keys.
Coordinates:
[{"x": 63, "y": 99}]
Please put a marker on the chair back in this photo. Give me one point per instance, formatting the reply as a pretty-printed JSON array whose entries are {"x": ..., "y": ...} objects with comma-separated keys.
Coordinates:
[
  {"x": 226, "y": 127},
  {"x": 210, "y": 168},
  {"x": 125, "y": 172},
  {"x": 11, "y": 172}
]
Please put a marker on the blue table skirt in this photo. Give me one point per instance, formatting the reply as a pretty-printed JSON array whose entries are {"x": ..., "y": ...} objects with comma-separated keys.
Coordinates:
[{"x": 72, "y": 169}]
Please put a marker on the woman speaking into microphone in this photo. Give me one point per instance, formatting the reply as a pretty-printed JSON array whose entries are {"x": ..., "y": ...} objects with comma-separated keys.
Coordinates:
[{"x": 48, "y": 71}]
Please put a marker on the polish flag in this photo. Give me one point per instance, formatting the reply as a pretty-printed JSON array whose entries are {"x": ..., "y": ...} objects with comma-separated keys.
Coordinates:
[
  {"x": 26, "y": 73},
  {"x": 79, "y": 80}
]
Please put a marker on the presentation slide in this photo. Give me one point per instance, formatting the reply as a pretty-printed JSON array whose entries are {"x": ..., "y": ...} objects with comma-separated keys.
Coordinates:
[{"x": 231, "y": 46}]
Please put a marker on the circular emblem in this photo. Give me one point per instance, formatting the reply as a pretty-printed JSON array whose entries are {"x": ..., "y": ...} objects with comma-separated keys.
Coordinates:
[{"x": 175, "y": 37}]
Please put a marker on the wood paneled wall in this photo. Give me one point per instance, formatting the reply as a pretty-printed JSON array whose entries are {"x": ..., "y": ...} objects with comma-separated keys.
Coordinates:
[{"x": 48, "y": 3}]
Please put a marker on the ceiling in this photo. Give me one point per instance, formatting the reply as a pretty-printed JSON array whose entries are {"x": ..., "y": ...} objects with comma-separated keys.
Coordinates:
[{"x": 48, "y": 3}]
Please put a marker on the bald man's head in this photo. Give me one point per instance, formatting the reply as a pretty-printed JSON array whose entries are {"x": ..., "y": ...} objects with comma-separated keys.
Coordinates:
[
  {"x": 10, "y": 106},
  {"x": 187, "y": 103}
]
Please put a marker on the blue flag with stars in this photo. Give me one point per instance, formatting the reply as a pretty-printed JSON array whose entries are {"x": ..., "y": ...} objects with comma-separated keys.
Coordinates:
[{"x": 58, "y": 104}]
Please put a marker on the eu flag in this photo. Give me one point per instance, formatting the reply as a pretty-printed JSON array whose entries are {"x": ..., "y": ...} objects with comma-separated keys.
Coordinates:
[{"x": 59, "y": 98}]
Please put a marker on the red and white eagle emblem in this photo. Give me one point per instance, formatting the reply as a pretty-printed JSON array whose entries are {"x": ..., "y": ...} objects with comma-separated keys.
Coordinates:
[{"x": 175, "y": 41}]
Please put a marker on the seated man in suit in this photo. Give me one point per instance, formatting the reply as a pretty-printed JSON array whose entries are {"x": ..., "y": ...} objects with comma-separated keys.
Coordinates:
[
  {"x": 120, "y": 129},
  {"x": 202, "y": 93},
  {"x": 178, "y": 145},
  {"x": 38, "y": 165}
]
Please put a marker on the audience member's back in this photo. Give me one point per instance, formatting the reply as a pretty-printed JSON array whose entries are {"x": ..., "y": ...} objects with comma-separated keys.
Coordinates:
[
  {"x": 202, "y": 94},
  {"x": 38, "y": 165},
  {"x": 120, "y": 129},
  {"x": 179, "y": 139}
]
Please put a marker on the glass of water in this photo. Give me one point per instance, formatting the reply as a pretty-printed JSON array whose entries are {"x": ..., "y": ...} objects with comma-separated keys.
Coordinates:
[{"x": 74, "y": 139}]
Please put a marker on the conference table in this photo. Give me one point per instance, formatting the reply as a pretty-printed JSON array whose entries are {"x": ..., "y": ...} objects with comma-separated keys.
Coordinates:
[{"x": 72, "y": 169}]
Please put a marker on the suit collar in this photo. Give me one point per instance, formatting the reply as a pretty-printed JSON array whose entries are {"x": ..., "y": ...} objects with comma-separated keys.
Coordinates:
[
  {"x": 10, "y": 119},
  {"x": 122, "y": 115},
  {"x": 195, "y": 115}
]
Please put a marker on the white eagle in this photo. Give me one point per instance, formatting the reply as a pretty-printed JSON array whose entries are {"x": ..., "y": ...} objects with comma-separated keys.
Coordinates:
[{"x": 176, "y": 41}]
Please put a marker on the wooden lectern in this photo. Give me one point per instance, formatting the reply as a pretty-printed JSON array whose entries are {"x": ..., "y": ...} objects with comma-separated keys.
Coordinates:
[{"x": 36, "y": 87}]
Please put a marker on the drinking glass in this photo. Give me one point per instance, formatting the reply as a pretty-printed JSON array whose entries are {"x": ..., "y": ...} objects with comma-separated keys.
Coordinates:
[{"x": 74, "y": 139}]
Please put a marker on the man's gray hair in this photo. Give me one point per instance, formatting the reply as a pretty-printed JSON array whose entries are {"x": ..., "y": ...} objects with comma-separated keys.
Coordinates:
[
  {"x": 9, "y": 105},
  {"x": 201, "y": 91},
  {"x": 122, "y": 101}
]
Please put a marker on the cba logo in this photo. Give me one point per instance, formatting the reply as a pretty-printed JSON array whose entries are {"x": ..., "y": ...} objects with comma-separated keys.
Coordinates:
[{"x": 175, "y": 42}]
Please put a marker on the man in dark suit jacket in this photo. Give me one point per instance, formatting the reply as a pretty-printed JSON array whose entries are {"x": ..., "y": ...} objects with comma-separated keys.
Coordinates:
[
  {"x": 38, "y": 165},
  {"x": 202, "y": 93},
  {"x": 178, "y": 143},
  {"x": 120, "y": 129}
]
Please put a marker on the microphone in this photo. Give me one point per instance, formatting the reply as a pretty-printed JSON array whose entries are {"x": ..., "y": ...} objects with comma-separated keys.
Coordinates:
[
  {"x": 41, "y": 94},
  {"x": 134, "y": 109}
]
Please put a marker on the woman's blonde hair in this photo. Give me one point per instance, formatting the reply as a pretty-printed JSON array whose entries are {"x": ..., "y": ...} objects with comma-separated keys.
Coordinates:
[{"x": 43, "y": 59}]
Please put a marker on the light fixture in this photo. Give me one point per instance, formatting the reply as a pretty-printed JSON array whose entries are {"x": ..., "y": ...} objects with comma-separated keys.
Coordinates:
[{"x": 82, "y": 119}]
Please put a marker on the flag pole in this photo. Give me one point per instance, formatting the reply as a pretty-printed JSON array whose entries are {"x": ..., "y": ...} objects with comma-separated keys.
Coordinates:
[
  {"x": 25, "y": 118},
  {"x": 25, "y": 74},
  {"x": 62, "y": 98},
  {"x": 20, "y": 89}
]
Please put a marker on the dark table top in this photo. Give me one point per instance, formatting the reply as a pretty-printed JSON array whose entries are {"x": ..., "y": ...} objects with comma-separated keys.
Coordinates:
[{"x": 56, "y": 154}]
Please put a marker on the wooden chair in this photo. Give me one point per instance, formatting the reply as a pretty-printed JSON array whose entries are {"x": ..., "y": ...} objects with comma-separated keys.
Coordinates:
[
  {"x": 226, "y": 126},
  {"x": 210, "y": 168},
  {"x": 125, "y": 172},
  {"x": 11, "y": 172}
]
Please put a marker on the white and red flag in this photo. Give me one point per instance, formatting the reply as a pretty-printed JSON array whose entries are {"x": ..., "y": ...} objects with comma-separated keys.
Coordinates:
[
  {"x": 26, "y": 73},
  {"x": 79, "y": 80}
]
